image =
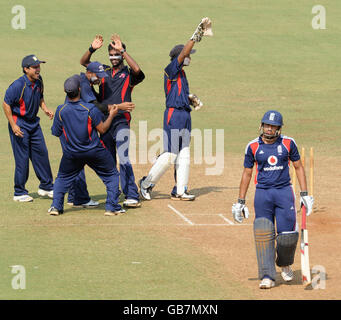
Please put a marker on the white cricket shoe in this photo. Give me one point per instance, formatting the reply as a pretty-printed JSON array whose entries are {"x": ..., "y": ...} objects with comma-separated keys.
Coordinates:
[
  {"x": 90, "y": 204},
  {"x": 266, "y": 283},
  {"x": 114, "y": 213},
  {"x": 45, "y": 193},
  {"x": 132, "y": 203},
  {"x": 287, "y": 274},
  {"x": 23, "y": 198},
  {"x": 145, "y": 192},
  {"x": 184, "y": 197},
  {"x": 54, "y": 212}
]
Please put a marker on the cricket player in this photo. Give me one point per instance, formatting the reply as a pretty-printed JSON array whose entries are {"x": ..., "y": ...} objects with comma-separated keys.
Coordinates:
[
  {"x": 21, "y": 105},
  {"x": 80, "y": 123},
  {"x": 115, "y": 89},
  {"x": 176, "y": 121},
  {"x": 274, "y": 201},
  {"x": 78, "y": 193}
]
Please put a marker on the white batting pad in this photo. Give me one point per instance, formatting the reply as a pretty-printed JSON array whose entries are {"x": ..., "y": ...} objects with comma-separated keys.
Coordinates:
[
  {"x": 182, "y": 170},
  {"x": 163, "y": 162}
]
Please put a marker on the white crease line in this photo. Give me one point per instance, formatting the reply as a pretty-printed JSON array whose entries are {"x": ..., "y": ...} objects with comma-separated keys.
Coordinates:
[
  {"x": 227, "y": 220},
  {"x": 181, "y": 215}
]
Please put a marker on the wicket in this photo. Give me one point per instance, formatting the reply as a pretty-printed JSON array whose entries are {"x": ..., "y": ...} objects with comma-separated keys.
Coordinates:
[{"x": 311, "y": 171}]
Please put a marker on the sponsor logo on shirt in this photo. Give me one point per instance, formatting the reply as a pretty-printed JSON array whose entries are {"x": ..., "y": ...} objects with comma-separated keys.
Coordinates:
[{"x": 272, "y": 161}]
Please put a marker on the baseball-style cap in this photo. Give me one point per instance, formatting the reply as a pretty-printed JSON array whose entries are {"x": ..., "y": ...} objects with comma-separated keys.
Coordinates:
[
  {"x": 72, "y": 84},
  {"x": 97, "y": 68},
  {"x": 30, "y": 61},
  {"x": 177, "y": 49}
]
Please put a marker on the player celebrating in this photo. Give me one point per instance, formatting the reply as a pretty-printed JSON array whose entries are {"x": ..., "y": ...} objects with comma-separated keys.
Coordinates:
[
  {"x": 83, "y": 147},
  {"x": 177, "y": 120},
  {"x": 78, "y": 193},
  {"x": 274, "y": 198},
  {"x": 21, "y": 105},
  {"x": 115, "y": 89}
]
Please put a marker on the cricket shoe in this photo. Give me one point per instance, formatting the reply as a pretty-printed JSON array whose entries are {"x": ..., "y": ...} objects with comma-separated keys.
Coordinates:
[
  {"x": 54, "y": 212},
  {"x": 184, "y": 197},
  {"x": 45, "y": 193},
  {"x": 132, "y": 203},
  {"x": 146, "y": 192},
  {"x": 266, "y": 283},
  {"x": 23, "y": 198},
  {"x": 287, "y": 274},
  {"x": 115, "y": 213},
  {"x": 90, "y": 204}
]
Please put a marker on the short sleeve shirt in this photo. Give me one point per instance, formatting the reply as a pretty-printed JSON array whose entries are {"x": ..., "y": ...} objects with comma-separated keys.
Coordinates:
[
  {"x": 271, "y": 160},
  {"x": 176, "y": 86},
  {"x": 24, "y": 97}
]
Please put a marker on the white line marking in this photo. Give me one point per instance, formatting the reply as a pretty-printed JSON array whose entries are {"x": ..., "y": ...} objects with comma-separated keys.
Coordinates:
[
  {"x": 181, "y": 215},
  {"x": 227, "y": 220}
]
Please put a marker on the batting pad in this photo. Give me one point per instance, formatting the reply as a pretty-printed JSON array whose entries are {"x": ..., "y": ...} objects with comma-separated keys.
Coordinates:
[
  {"x": 264, "y": 232},
  {"x": 182, "y": 170},
  {"x": 286, "y": 247},
  {"x": 163, "y": 162}
]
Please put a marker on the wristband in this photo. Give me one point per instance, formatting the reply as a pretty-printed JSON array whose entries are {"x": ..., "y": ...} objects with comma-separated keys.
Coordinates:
[
  {"x": 241, "y": 201},
  {"x": 303, "y": 193},
  {"x": 123, "y": 51},
  {"x": 91, "y": 49}
]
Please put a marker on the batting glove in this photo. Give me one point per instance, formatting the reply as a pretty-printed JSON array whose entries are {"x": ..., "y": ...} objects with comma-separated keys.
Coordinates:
[
  {"x": 240, "y": 211},
  {"x": 307, "y": 201}
]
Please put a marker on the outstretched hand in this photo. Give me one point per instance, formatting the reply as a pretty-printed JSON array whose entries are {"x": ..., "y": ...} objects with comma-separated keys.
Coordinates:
[
  {"x": 116, "y": 42},
  {"x": 97, "y": 42}
]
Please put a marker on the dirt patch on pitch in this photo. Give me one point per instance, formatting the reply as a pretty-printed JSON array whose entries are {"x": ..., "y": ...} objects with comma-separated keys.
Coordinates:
[{"x": 232, "y": 246}]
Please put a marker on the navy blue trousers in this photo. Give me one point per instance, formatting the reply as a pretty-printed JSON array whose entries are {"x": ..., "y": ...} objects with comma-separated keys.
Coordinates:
[
  {"x": 31, "y": 147},
  {"x": 116, "y": 140},
  {"x": 72, "y": 164}
]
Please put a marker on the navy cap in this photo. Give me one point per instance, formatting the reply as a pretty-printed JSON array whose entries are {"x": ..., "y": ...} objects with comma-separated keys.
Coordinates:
[
  {"x": 177, "y": 49},
  {"x": 97, "y": 68},
  {"x": 72, "y": 84},
  {"x": 30, "y": 61}
]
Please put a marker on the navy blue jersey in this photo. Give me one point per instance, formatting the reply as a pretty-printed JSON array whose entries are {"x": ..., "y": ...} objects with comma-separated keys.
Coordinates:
[
  {"x": 117, "y": 88},
  {"x": 77, "y": 121},
  {"x": 176, "y": 86},
  {"x": 87, "y": 91},
  {"x": 272, "y": 161},
  {"x": 24, "y": 97}
]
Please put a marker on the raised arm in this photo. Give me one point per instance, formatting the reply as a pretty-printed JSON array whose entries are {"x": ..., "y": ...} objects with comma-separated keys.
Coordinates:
[
  {"x": 96, "y": 44},
  {"x": 117, "y": 45}
]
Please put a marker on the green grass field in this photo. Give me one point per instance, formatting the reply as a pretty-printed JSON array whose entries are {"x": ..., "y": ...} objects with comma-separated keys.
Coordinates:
[{"x": 264, "y": 55}]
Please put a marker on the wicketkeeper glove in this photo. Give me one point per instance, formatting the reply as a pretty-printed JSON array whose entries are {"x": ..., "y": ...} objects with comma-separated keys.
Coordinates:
[
  {"x": 240, "y": 211},
  {"x": 195, "y": 101},
  {"x": 203, "y": 29},
  {"x": 307, "y": 201}
]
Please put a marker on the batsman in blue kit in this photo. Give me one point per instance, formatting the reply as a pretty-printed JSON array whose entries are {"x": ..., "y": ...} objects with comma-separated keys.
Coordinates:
[
  {"x": 274, "y": 203},
  {"x": 177, "y": 121},
  {"x": 117, "y": 88},
  {"x": 21, "y": 105},
  {"x": 80, "y": 123}
]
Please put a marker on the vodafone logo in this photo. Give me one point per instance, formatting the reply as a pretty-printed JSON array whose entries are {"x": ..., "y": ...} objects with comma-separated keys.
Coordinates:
[{"x": 272, "y": 160}]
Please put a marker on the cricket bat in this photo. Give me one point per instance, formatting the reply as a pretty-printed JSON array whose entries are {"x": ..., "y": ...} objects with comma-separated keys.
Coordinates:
[{"x": 305, "y": 267}]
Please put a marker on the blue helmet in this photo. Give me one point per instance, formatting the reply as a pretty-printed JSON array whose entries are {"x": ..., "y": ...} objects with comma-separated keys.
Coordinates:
[{"x": 273, "y": 117}]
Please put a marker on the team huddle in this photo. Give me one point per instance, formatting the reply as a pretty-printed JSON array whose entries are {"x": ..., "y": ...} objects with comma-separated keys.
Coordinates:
[{"x": 93, "y": 125}]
